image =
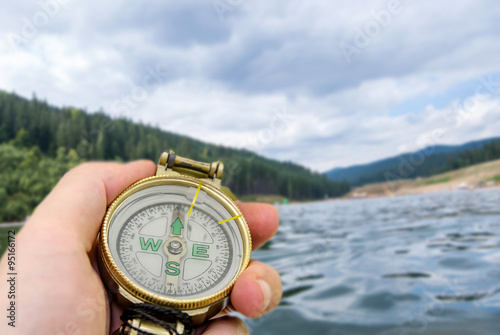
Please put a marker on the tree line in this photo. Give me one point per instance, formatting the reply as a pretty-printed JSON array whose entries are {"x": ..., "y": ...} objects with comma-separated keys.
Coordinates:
[
  {"x": 487, "y": 152},
  {"x": 410, "y": 166},
  {"x": 40, "y": 142}
]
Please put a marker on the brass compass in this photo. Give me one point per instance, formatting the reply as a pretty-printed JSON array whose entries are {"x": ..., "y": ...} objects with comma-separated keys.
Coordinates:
[{"x": 176, "y": 239}]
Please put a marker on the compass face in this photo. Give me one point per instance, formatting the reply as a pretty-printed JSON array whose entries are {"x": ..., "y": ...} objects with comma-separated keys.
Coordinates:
[{"x": 167, "y": 240}]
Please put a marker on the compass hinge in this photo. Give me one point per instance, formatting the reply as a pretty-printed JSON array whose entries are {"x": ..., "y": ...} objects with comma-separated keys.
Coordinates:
[{"x": 170, "y": 163}]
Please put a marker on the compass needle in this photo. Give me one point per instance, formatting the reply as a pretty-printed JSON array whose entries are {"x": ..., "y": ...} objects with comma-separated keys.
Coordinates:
[
  {"x": 234, "y": 217},
  {"x": 194, "y": 198},
  {"x": 175, "y": 248}
]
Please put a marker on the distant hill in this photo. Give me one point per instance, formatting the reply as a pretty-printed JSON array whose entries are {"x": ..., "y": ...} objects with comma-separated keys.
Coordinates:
[
  {"x": 474, "y": 176},
  {"x": 423, "y": 163},
  {"x": 33, "y": 132}
]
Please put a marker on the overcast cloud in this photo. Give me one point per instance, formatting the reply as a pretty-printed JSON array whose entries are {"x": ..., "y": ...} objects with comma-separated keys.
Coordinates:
[{"x": 337, "y": 82}]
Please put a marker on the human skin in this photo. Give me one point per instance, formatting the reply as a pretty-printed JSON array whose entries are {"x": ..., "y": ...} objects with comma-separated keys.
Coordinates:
[{"x": 59, "y": 290}]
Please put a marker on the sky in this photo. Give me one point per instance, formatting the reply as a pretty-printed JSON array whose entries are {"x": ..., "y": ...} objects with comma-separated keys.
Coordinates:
[{"x": 321, "y": 83}]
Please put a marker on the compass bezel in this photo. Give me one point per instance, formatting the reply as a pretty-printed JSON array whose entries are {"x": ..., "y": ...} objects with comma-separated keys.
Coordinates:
[{"x": 144, "y": 295}]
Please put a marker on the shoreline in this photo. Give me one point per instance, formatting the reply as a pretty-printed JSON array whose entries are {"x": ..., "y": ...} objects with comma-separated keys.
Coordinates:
[
  {"x": 12, "y": 224},
  {"x": 419, "y": 192},
  {"x": 474, "y": 177}
]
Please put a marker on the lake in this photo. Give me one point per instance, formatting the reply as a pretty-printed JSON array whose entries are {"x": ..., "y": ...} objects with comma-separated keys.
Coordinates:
[{"x": 420, "y": 264}]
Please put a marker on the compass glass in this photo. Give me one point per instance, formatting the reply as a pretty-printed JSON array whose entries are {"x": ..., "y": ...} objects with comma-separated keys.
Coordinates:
[{"x": 167, "y": 239}]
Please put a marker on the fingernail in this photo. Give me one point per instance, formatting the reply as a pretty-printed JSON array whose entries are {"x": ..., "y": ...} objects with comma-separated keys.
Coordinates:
[
  {"x": 242, "y": 329},
  {"x": 266, "y": 289}
]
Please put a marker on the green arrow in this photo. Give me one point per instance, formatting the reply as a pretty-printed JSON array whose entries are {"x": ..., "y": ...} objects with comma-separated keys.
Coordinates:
[{"x": 177, "y": 227}]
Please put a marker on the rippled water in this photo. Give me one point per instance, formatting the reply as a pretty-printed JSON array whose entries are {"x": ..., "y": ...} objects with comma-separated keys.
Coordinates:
[{"x": 423, "y": 264}]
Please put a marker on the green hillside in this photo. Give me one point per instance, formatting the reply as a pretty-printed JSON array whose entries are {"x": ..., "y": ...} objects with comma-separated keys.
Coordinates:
[
  {"x": 41, "y": 142},
  {"x": 424, "y": 163}
]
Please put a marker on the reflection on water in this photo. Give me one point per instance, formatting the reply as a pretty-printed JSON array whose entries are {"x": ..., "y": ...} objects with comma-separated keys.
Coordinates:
[{"x": 408, "y": 265}]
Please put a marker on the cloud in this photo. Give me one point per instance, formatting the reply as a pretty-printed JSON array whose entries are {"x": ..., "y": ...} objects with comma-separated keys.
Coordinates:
[{"x": 225, "y": 81}]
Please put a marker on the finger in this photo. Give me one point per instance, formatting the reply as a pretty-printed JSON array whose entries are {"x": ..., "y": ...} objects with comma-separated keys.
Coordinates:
[
  {"x": 116, "y": 311},
  {"x": 75, "y": 207},
  {"x": 257, "y": 290},
  {"x": 262, "y": 219},
  {"x": 227, "y": 325}
]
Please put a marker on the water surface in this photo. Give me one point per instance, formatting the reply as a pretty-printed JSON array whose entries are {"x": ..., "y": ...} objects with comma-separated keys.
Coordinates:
[
  {"x": 421, "y": 264},
  {"x": 424, "y": 264}
]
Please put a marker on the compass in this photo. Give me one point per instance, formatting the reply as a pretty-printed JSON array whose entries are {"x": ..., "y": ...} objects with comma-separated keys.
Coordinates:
[{"x": 176, "y": 239}]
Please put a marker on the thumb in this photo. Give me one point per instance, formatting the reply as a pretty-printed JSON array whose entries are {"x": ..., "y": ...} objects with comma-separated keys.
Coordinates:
[{"x": 75, "y": 207}]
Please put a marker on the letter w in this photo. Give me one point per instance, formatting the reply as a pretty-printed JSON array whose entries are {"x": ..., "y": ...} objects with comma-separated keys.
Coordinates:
[{"x": 150, "y": 243}]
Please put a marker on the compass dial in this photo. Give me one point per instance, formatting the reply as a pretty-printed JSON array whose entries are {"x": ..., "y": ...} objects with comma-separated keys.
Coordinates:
[{"x": 167, "y": 240}]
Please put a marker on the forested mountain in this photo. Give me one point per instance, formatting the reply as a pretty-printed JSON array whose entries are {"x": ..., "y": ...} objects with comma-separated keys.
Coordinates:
[
  {"x": 423, "y": 163},
  {"x": 41, "y": 142}
]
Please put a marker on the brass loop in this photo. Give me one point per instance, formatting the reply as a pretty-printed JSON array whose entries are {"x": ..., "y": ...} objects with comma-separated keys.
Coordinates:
[{"x": 170, "y": 161}]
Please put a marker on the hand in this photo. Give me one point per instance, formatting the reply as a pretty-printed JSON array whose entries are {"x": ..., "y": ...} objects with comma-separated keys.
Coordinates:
[{"x": 59, "y": 290}]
